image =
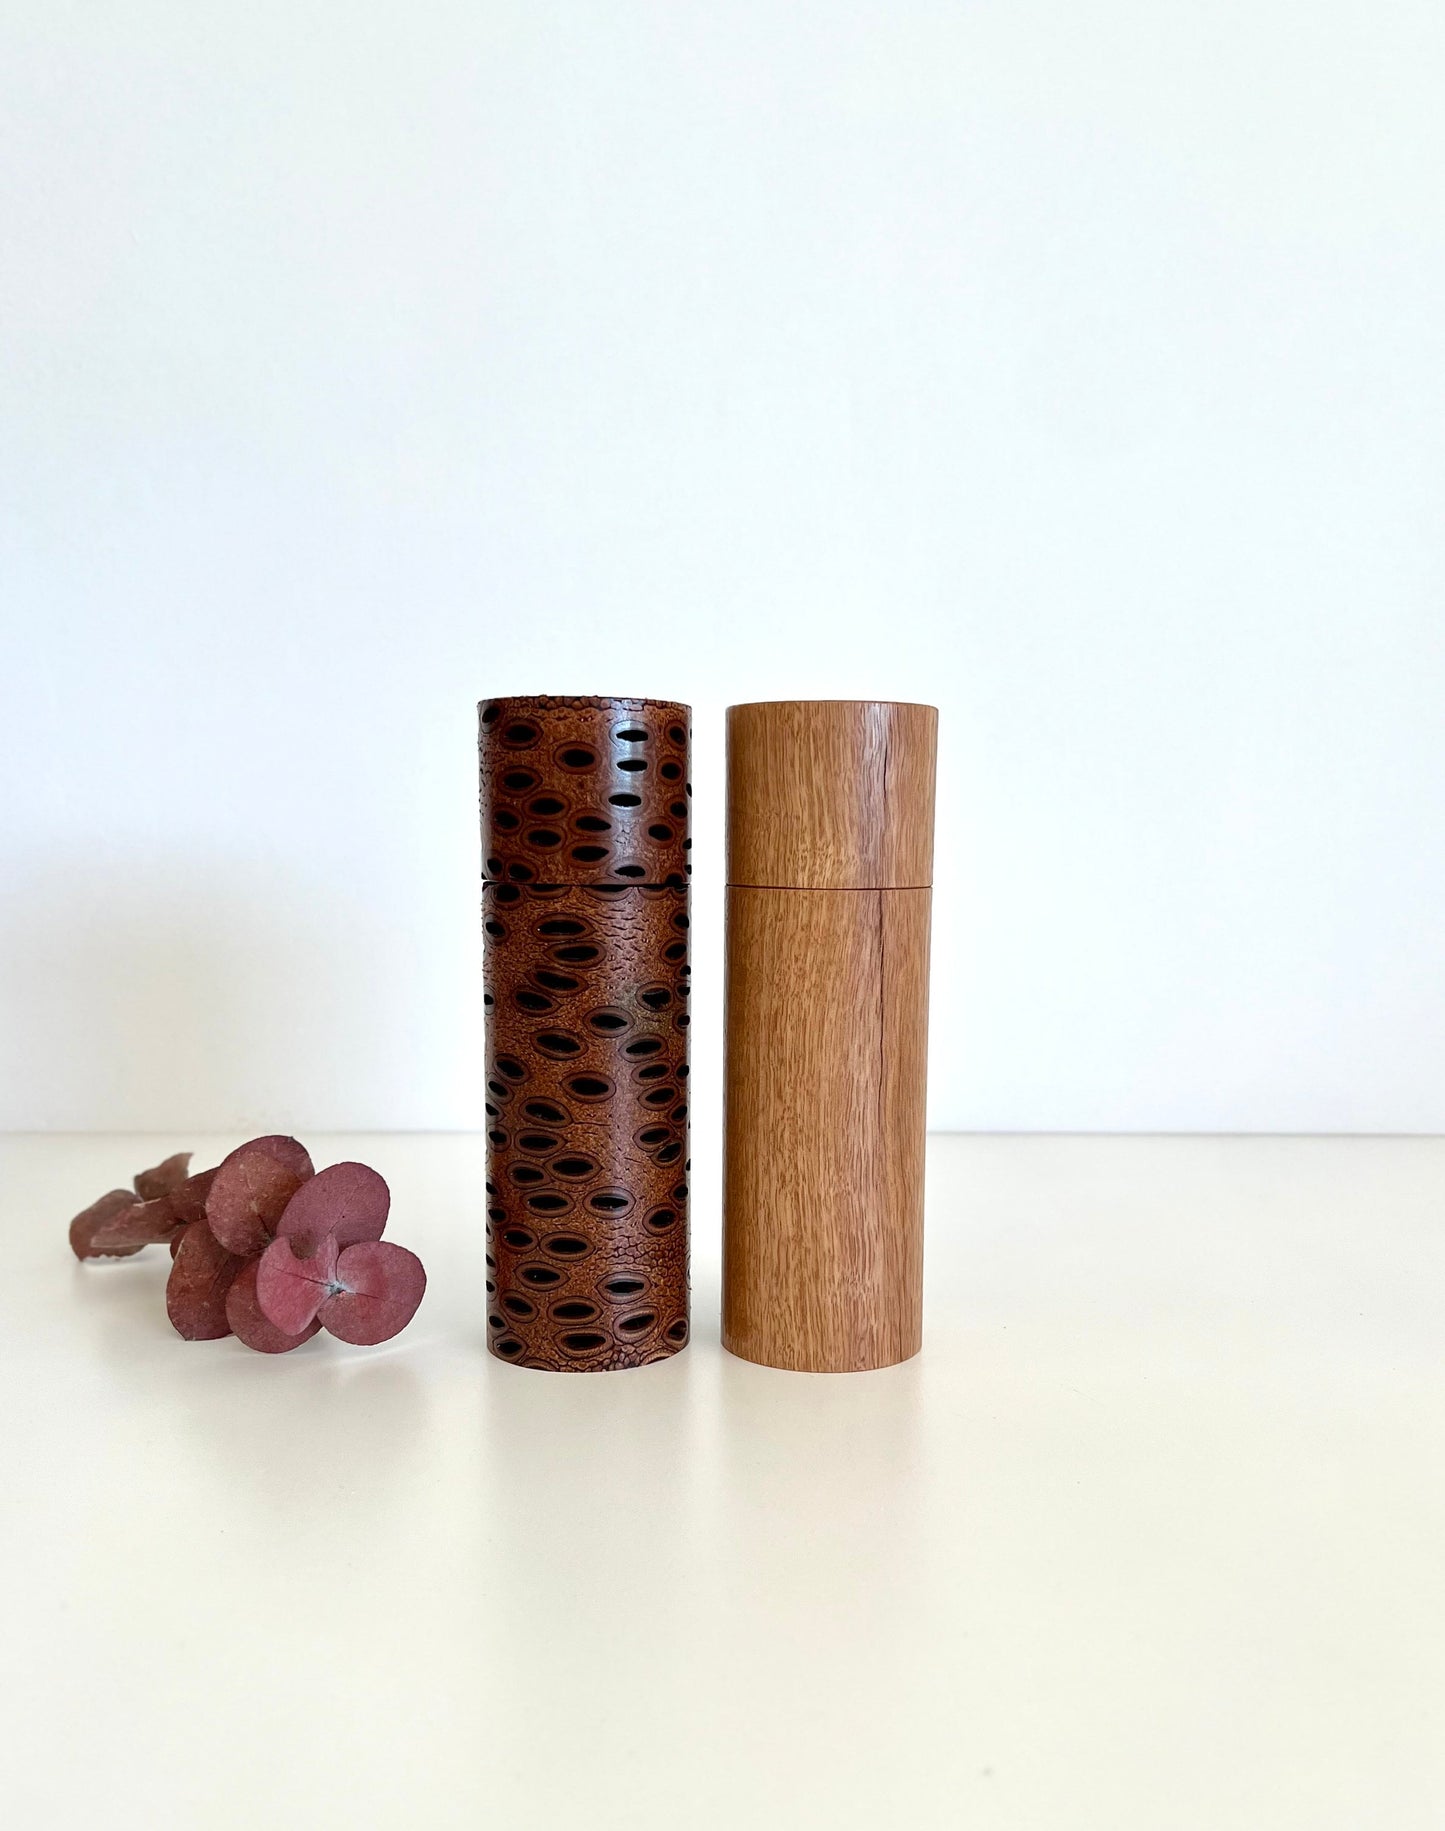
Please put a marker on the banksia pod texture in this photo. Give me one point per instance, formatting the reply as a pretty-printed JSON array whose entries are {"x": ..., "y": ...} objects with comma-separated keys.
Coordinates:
[{"x": 585, "y": 831}]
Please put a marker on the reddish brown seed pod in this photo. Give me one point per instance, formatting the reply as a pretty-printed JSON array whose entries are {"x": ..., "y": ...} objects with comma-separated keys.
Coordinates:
[
  {"x": 200, "y": 1279},
  {"x": 349, "y": 1201},
  {"x": 249, "y": 1322},
  {"x": 90, "y": 1222},
  {"x": 248, "y": 1198}
]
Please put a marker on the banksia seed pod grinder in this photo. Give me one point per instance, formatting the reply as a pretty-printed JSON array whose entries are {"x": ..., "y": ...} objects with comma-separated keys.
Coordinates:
[
  {"x": 830, "y": 856},
  {"x": 585, "y": 808}
]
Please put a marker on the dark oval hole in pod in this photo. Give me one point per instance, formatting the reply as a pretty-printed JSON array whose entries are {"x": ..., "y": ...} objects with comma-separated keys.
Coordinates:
[
  {"x": 623, "y": 1287},
  {"x": 506, "y": 893},
  {"x": 565, "y": 1245},
  {"x": 681, "y": 921},
  {"x": 683, "y": 1021},
  {"x": 678, "y": 1114},
  {"x": 653, "y": 1134},
  {"x": 491, "y": 714},
  {"x": 590, "y": 1087},
  {"x": 608, "y": 1021},
  {"x": 658, "y": 1096},
  {"x": 496, "y": 1322},
  {"x": 636, "y": 1325},
  {"x": 545, "y": 1110},
  {"x": 523, "y": 873},
  {"x": 500, "y": 1089},
  {"x": 631, "y": 871},
  {"x": 509, "y": 1346},
  {"x": 677, "y": 734},
  {"x": 574, "y": 1310},
  {"x": 669, "y": 1153},
  {"x": 609, "y": 1201},
  {"x": 520, "y": 734},
  {"x": 545, "y": 805},
  {"x": 520, "y": 1238},
  {"x": 625, "y": 800},
  {"x": 495, "y": 930},
  {"x": 670, "y": 772},
  {"x": 658, "y": 831},
  {"x": 496, "y": 1214},
  {"x": 683, "y": 1072},
  {"x": 560, "y": 925},
  {"x": 519, "y": 780},
  {"x": 557, "y": 982},
  {"x": 588, "y": 855},
  {"x": 491, "y": 1288},
  {"x": 494, "y": 867},
  {"x": 656, "y": 998},
  {"x": 574, "y": 1166},
  {"x": 645, "y": 1045},
  {"x": 544, "y": 836},
  {"x": 592, "y": 823},
  {"x": 677, "y": 1331},
  {"x": 582, "y": 1341},
  {"x": 540, "y": 1275},
  {"x": 557, "y": 1042},
  {"x": 578, "y": 954},
  {"x": 488, "y": 1000},
  {"x": 537, "y": 1141},
  {"x": 679, "y": 1194},
  {"x": 519, "y": 1306},
  {"x": 576, "y": 757},
  {"x": 533, "y": 1001},
  {"x": 678, "y": 809},
  {"x": 632, "y": 764},
  {"x": 632, "y": 735},
  {"x": 652, "y": 1071},
  {"x": 511, "y": 1068},
  {"x": 547, "y": 1204},
  {"x": 497, "y": 1137},
  {"x": 508, "y": 824},
  {"x": 672, "y": 881},
  {"x": 661, "y": 1219},
  {"x": 493, "y": 1112},
  {"x": 608, "y": 890}
]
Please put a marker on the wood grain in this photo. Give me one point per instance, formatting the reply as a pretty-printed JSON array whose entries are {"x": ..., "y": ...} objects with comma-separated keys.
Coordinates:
[
  {"x": 827, "y": 1030},
  {"x": 831, "y": 794}
]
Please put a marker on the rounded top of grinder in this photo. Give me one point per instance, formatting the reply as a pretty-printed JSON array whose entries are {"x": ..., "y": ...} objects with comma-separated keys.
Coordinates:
[
  {"x": 585, "y": 790},
  {"x": 831, "y": 794}
]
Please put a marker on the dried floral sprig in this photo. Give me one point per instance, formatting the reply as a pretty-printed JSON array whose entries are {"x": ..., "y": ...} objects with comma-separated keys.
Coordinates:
[{"x": 264, "y": 1246}]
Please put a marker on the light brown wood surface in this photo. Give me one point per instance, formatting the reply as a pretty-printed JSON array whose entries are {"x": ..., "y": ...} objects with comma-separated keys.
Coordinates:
[
  {"x": 827, "y": 1019},
  {"x": 831, "y": 794}
]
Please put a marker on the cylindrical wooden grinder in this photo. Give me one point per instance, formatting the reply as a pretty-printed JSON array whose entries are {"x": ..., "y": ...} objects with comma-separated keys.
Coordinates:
[
  {"x": 585, "y": 834},
  {"x": 830, "y": 866}
]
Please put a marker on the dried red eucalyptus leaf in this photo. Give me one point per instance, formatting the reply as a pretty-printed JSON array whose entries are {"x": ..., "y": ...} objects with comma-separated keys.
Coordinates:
[
  {"x": 142, "y": 1224},
  {"x": 349, "y": 1201},
  {"x": 90, "y": 1221},
  {"x": 381, "y": 1286},
  {"x": 248, "y": 1198},
  {"x": 288, "y": 1151},
  {"x": 188, "y": 1199},
  {"x": 364, "y": 1293},
  {"x": 250, "y": 1324},
  {"x": 290, "y": 1290},
  {"x": 196, "y": 1290},
  {"x": 151, "y": 1184}
]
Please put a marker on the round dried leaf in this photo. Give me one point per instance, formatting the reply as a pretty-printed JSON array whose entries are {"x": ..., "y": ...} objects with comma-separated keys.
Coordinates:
[
  {"x": 196, "y": 1290},
  {"x": 290, "y": 1290},
  {"x": 381, "y": 1286},
  {"x": 90, "y": 1221},
  {"x": 249, "y": 1322},
  {"x": 289, "y": 1151},
  {"x": 248, "y": 1198},
  {"x": 141, "y": 1224},
  {"x": 349, "y": 1201},
  {"x": 149, "y": 1184}
]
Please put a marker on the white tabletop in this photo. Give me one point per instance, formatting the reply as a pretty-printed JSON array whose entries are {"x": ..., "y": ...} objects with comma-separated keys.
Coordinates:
[{"x": 1151, "y": 1535}]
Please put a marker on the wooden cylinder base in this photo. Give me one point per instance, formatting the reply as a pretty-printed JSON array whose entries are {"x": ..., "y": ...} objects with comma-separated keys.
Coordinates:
[{"x": 827, "y": 1018}]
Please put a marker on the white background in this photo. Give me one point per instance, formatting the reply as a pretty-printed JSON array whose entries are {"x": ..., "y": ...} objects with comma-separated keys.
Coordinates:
[{"x": 1077, "y": 368}]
